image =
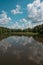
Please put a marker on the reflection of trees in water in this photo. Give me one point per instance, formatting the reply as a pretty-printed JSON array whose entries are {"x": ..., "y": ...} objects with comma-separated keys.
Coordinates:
[
  {"x": 38, "y": 38},
  {"x": 4, "y": 36},
  {"x": 22, "y": 50}
]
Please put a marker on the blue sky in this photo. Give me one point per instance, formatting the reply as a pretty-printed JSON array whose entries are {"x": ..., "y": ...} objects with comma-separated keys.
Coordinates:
[{"x": 21, "y": 13}]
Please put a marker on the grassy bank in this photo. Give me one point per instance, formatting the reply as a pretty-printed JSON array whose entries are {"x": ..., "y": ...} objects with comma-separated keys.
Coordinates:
[
  {"x": 20, "y": 33},
  {"x": 5, "y": 35}
]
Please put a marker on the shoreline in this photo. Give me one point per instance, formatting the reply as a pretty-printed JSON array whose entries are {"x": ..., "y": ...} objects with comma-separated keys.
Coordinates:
[{"x": 5, "y": 35}]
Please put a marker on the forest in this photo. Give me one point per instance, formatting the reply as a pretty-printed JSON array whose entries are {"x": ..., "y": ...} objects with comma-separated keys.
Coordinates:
[{"x": 37, "y": 30}]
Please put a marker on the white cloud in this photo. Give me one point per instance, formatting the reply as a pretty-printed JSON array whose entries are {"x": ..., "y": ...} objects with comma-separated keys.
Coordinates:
[
  {"x": 35, "y": 11},
  {"x": 22, "y": 24},
  {"x": 35, "y": 15},
  {"x": 17, "y": 10},
  {"x": 4, "y": 19},
  {"x": 23, "y": 20},
  {"x": 17, "y": 26}
]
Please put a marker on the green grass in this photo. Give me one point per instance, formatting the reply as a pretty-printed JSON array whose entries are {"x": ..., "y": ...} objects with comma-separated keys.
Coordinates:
[
  {"x": 5, "y": 35},
  {"x": 20, "y": 33}
]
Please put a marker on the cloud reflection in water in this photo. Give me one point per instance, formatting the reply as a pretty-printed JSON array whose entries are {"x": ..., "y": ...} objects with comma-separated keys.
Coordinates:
[{"x": 23, "y": 47}]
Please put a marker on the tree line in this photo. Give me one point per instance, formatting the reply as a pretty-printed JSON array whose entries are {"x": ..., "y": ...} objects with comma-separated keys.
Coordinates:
[{"x": 37, "y": 29}]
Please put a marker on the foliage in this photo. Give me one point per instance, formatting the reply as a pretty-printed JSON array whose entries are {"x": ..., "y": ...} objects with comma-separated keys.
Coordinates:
[{"x": 37, "y": 29}]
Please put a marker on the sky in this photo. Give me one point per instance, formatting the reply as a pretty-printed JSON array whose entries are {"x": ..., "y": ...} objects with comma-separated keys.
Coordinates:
[{"x": 21, "y": 14}]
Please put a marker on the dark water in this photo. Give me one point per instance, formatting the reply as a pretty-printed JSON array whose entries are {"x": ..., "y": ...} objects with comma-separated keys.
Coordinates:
[{"x": 16, "y": 50}]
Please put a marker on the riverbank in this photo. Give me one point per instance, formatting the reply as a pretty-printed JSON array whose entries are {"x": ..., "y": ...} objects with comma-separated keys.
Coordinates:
[{"x": 5, "y": 35}]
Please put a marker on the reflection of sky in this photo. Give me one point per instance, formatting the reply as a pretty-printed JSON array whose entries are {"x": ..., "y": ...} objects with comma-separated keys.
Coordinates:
[{"x": 23, "y": 46}]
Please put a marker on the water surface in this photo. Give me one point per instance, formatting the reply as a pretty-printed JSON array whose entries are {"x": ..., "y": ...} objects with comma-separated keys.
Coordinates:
[{"x": 21, "y": 50}]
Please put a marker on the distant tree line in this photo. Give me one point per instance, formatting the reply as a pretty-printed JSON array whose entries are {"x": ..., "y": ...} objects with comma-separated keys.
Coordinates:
[{"x": 36, "y": 29}]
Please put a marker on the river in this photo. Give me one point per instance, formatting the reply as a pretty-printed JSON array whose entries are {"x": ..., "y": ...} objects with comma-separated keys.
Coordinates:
[{"x": 21, "y": 50}]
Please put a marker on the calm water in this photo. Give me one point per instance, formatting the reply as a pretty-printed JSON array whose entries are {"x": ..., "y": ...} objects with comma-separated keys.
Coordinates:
[{"x": 16, "y": 50}]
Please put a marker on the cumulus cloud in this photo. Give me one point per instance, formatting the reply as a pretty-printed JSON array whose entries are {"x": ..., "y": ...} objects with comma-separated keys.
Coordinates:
[
  {"x": 35, "y": 11},
  {"x": 17, "y": 10},
  {"x": 23, "y": 20},
  {"x": 22, "y": 24},
  {"x": 4, "y": 19},
  {"x": 27, "y": 23},
  {"x": 35, "y": 15},
  {"x": 17, "y": 25}
]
